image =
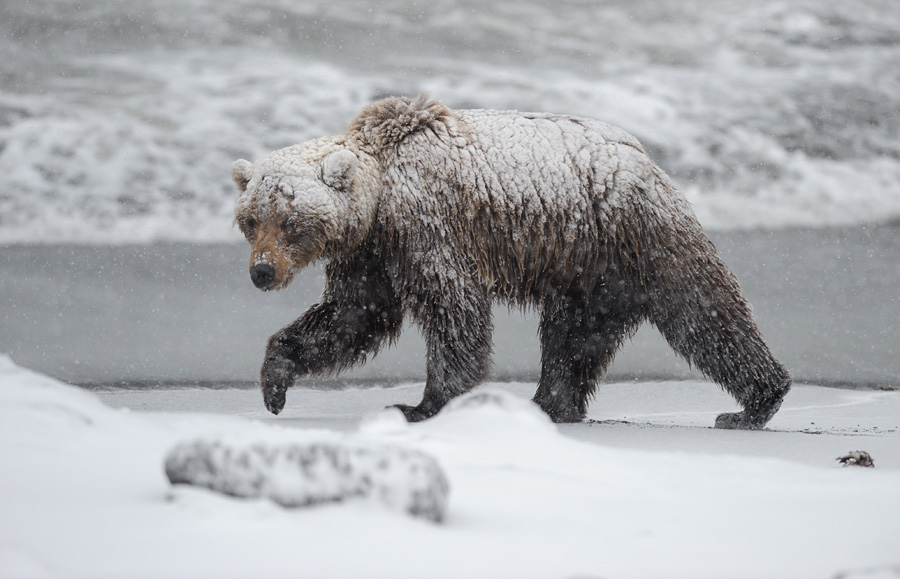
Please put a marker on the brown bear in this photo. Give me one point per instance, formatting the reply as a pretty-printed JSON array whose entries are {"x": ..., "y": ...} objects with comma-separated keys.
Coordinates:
[{"x": 422, "y": 210}]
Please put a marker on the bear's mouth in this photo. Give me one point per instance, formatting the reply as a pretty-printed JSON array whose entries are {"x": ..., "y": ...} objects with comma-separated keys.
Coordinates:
[{"x": 273, "y": 287}]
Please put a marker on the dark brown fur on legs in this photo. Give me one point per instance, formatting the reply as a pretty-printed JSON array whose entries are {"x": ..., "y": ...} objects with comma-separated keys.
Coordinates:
[
  {"x": 671, "y": 274},
  {"x": 711, "y": 326},
  {"x": 579, "y": 339},
  {"x": 359, "y": 313},
  {"x": 457, "y": 325}
]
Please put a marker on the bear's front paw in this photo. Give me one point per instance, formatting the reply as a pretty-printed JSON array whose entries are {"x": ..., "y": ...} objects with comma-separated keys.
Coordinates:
[
  {"x": 738, "y": 421},
  {"x": 278, "y": 374},
  {"x": 413, "y": 413}
]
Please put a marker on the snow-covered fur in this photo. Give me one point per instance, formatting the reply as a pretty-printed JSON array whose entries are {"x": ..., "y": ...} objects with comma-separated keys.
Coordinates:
[{"x": 424, "y": 210}]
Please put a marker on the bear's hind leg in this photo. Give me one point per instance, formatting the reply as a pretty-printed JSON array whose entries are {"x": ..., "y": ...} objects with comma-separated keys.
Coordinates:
[
  {"x": 579, "y": 339},
  {"x": 699, "y": 309}
]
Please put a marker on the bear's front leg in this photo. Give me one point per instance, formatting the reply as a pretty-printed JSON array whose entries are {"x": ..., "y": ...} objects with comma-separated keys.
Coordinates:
[
  {"x": 457, "y": 326},
  {"x": 330, "y": 337},
  {"x": 357, "y": 316}
]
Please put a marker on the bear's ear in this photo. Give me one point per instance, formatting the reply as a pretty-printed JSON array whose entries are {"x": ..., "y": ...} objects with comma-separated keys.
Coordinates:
[
  {"x": 338, "y": 169},
  {"x": 241, "y": 172}
]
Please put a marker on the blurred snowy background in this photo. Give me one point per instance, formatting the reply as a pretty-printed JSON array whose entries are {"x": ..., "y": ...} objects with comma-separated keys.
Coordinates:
[{"x": 119, "y": 119}]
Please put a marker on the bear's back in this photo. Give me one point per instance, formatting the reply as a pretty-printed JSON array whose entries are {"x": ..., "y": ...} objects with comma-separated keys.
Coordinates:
[
  {"x": 537, "y": 193},
  {"x": 528, "y": 198},
  {"x": 557, "y": 162},
  {"x": 549, "y": 125}
]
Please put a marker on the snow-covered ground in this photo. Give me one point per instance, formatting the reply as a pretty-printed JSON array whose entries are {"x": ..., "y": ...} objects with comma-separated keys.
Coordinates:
[{"x": 645, "y": 489}]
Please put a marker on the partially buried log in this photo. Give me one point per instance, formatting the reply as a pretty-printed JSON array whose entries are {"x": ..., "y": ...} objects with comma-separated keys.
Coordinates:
[{"x": 303, "y": 475}]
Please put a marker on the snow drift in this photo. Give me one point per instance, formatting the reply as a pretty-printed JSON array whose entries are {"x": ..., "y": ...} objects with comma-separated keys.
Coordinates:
[{"x": 83, "y": 494}]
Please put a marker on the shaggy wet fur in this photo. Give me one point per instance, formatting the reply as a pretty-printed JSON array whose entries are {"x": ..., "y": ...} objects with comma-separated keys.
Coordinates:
[{"x": 438, "y": 213}]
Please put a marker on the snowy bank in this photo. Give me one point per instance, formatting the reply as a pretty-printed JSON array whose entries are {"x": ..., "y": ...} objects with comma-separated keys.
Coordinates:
[{"x": 83, "y": 493}]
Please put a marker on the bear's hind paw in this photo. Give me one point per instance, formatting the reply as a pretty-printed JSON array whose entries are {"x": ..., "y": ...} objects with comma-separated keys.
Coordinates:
[{"x": 738, "y": 421}]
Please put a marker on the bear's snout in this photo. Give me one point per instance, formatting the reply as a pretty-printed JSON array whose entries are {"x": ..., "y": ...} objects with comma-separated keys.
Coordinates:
[{"x": 262, "y": 275}]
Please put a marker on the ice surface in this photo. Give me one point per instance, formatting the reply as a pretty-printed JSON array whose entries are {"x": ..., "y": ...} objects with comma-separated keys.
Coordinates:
[{"x": 83, "y": 493}]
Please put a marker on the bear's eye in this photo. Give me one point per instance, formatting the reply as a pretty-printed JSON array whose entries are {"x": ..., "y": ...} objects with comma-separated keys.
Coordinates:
[
  {"x": 287, "y": 225},
  {"x": 250, "y": 224}
]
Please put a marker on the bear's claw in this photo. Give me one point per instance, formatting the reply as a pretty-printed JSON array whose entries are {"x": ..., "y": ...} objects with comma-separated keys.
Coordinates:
[
  {"x": 413, "y": 413},
  {"x": 275, "y": 400},
  {"x": 277, "y": 376}
]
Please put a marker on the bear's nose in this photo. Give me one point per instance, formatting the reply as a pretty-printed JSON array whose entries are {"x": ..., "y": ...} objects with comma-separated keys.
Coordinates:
[{"x": 262, "y": 275}]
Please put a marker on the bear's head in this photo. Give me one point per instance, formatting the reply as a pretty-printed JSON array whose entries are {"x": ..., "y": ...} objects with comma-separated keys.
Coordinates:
[{"x": 297, "y": 205}]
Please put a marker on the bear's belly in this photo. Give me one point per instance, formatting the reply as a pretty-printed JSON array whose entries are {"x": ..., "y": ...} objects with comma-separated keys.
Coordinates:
[{"x": 525, "y": 269}]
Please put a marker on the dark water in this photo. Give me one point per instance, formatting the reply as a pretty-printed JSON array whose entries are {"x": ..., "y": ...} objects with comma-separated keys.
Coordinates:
[{"x": 827, "y": 300}]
